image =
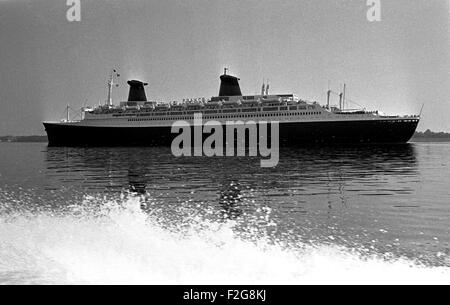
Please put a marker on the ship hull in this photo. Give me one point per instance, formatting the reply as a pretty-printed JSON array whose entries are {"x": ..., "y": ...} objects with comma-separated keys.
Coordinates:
[{"x": 290, "y": 134}]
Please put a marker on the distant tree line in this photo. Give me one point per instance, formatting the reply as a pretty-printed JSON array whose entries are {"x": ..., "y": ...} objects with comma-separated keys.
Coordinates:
[
  {"x": 430, "y": 134},
  {"x": 23, "y": 138}
]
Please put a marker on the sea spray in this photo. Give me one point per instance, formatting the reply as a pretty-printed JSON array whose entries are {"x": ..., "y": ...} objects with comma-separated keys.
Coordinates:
[{"x": 130, "y": 239}]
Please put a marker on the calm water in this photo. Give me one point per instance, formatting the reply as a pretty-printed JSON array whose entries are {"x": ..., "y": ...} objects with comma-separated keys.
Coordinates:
[{"x": 377, "y": 214}]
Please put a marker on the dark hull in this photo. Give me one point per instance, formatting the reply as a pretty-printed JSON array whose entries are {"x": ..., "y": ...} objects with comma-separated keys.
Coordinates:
[{"x": 291, "y": 134}]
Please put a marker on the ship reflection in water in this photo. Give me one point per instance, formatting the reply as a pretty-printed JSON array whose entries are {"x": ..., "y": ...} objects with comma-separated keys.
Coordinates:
[
  {"x": 303, "y": 173},
  {"x": 355, "y": 196},
  {"x": 338, "y": 173}
]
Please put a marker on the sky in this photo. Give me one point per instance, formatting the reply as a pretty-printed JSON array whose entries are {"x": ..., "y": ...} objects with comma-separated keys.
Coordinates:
[{"x": 181, "y": 47}]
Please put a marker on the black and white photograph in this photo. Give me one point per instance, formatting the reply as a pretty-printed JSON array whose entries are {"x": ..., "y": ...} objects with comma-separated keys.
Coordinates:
[{"x": 239, "y": 144}]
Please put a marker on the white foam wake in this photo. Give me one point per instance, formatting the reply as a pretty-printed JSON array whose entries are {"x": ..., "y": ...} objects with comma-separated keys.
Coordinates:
[{"x": 124, "y": 245}]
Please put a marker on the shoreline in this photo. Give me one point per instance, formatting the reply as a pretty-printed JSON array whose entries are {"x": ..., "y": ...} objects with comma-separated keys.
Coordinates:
[
  {"x": 429, "y": 140},
  {"x": 42, "y": 139},
  {"x": 23, "y": 139}
]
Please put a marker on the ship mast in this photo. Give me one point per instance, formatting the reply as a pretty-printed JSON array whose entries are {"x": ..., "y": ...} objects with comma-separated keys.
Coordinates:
[
  {"x": 328, "y": 96},
  {"x": 328, "y": 99},
  {"x": 343, "y": 97},
  {"x": 113, "y": 75}
]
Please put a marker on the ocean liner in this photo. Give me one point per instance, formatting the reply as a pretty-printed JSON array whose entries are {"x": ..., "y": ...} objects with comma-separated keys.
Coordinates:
[{"x": 139, "y": 122}]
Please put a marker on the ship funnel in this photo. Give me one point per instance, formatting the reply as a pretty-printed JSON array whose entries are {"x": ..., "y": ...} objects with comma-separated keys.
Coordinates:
[
  {"x": 229, "y": 85},
  {"x": 137, "y": 91}
]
